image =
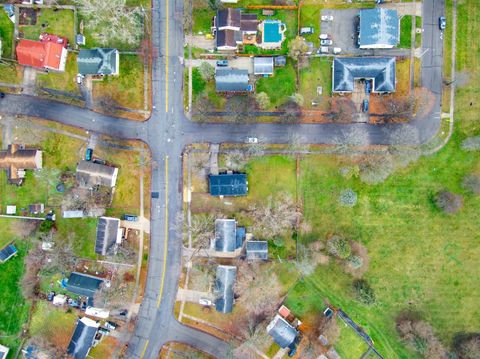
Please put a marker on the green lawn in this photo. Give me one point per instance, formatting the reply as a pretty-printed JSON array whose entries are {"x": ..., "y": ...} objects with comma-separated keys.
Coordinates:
[
  {"x": 202, "y": 20},
  {"x": 318, "y": 73},
  {"x": 406, "y": 32},
  {"x": 35, "y": 189},
  {"x": 6, "y": 34},
  {"x": 63, "y": 81},
  {"x": 126, "y": 88},
  {"x": 10, "y": 73},
  {"x": 81, "y": 233},
  {"x": 349, "y": 345},
  {"x": 60, "y": 22},
  {"x": 7, "y": 233},
  {"x": 279, "y": 86}
]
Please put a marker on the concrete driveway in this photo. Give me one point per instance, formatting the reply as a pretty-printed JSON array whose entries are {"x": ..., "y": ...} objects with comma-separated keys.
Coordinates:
[{"x": 243, "y": 63}]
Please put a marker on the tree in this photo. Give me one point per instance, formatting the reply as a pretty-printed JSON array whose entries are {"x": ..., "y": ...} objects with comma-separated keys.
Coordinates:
[
  {"x": 238, "y": 107},
  {"x": 401, "y": 135},
  {"x": 343, "y": 109},
  {"x": 107, "y": 104},
  {"x": 471, "y": 183},
  {"x": 202, "y": 229},
  {"x": 298, "y": 99},
  {"x": 351, "y": 136},
  {"x": 292, "y": 112},
  {"x": 449, "y": 202},
  {"x": 339, "y": 247},
  {"x": 376, "y": 169},
  {"x": 46, "y": 226},
  {"x": 467, "y": 345},
  {"x": 263, "y": 101},
  {"x": 235, "y": 160},
  {"x": 207, "y": 71},
  {"x": 296, "y": 142},
  {"x": 30, "y": 280},
  {"x": 398, "y": 108},
  {"x": 355, "y": 262},
  {"x": 363, "y": 291},
  {"x": 297, "y": 47},
  {"x": 348, "y": 198}
]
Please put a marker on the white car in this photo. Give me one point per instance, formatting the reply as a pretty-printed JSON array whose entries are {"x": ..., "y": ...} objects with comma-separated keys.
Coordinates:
[
  {"x": 327, "y": 18},
  {"x": 324, "y": 36},
  {"x": 323, "y": 50},
  {"x": 326, "y": 42},
  {"x": 251, "y": 140},
  {"x": 337, "y": 50}
]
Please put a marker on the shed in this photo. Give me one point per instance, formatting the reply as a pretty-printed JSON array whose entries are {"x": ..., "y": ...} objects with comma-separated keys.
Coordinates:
[
  {"x": 83, "y": 338},
  {"x": 59, "y": 299},
  {"x": 228, "y": 184},
  {"x": 282, "y": 332},
  {"x": 91, "y": 174},
  {"x": 379, "y": 28},
  {"x": 108, "y": 234},
  {"x": 99, "y": 61},
  {"x": 3, "y": 352},
  {"x": 224, "y": 281},
  {"x": 231, "y": 80},
  {"x": 83, "y": 284},
  {"x": 11, "y": 210},
  {"x": 280, "y": 61},
  {"x": 7, "y": 252},
  {"x": 80, "y": 39},
  {"x": 73, "y": 214},
  {"x": 257, "y": 250},
  {"x": 268, "y": 12},
  {"x": 263, "y": 65}
]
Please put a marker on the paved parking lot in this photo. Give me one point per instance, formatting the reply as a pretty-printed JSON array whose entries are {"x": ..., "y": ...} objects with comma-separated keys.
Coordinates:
[{"x": 342, "y": 29}]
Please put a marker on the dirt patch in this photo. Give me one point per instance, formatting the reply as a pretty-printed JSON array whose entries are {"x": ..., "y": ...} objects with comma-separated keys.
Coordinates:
[{"x": 28, "y": 16}]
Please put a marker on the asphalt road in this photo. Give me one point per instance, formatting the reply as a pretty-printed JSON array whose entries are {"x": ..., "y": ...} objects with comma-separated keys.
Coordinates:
[{"x": 168, "y": 131}]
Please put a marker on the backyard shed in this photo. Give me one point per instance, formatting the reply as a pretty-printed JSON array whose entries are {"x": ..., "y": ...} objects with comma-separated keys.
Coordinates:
[
  {"x": 228, "y": 184},
  {"x": 263, "y": 65},
  {"x": 257, "y": 250}
]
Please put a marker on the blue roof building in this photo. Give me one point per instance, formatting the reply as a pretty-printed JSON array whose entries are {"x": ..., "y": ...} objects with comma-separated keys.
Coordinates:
[
  {"x": 228, "y": 237},
  {"x": 83, "y": 338},
  {"x": 7, "y": 252},
  {"x": 224, "y": 281},
  {"x": 257, "y": 250},
  {"x": 381, "y": 70},
  {"x": 379, "y": 29},
  {"x": 228, "y": 184}
]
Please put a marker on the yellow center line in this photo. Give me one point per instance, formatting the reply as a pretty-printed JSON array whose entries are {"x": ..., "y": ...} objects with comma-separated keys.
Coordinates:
[
  {"x": 144, "y": 349},
  {"x": 166, "y": 56},
  {"x": 165, "y": 243}
]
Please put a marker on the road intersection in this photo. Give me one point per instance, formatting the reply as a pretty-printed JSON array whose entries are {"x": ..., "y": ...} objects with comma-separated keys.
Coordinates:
[{"x": 167, "y": 133}]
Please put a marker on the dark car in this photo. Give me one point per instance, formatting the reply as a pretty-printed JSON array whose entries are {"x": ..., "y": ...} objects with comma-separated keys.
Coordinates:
[
  {"x": 130, "y": 217},
  {"x": 365, "y": 106},
  {"x": 50, "y": 296},
  {"x": 2, "y": 94},
  {"x": 89, "y": 154},
  {"x": 222, "y": 63},
  {"x": 442, "y": 22},
  {"x": 368, "y": 87}
]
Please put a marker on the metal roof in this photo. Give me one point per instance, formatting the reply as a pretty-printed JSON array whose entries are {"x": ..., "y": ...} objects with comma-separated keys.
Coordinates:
[
  {"x": 380, "y": 69},
  {"x": 107, "y": 232},
  {"x": 281, "y": 331},
  {"x": 379, "y": 27},
  {"x": 3, "y": 352},
  {"x": 83, "y": 284},
  {"x": 280, "y": 60},
  {"x": 7, "y": 252},
  {"x": 83, "y": 337},
  {"x": 257, "y": 250},
  {"x": 90, "y": 174},
  {"x": 225, "y": 235},
  {"x": 224, "y": 281},
  {"x": 231, "y": 80},
  {"x": 263, "y": 65},
  {"x": 228, "y": 184},
  {"x": 241, "y": 234},
  {"x": 97, "y": 61}
]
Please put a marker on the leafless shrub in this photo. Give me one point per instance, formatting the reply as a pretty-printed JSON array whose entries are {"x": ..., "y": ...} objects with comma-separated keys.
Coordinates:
[
  {"x": 471, "y": 183},
  {"x": 235, "y": 160},
  {"x": 467, "y": 345},
  {"x": 30, "y": 280},
  {"x": 449, "y": 202},
  {"x": 376, "y": 169}
]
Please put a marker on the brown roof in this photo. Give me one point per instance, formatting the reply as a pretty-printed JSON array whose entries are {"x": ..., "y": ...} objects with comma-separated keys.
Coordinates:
[
  {"x": 249, "y": 22},
  {"x": 226, "y": 38},
  {"x": 228, "y": 17},
  {"x": 15, "y": 159}
]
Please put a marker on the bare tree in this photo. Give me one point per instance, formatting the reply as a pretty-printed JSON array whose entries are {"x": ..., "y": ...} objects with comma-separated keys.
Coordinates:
[
  {"x": 202, "y": 229},
  {"x": 30, "y": 280},
  {"x": 263, "y": 101},
  {"x": 238, "y": 108},
  {"x": 471, "y": 183},
  {"x": 203, "y": 106},
  {"x": 207, "y": 71},
  {"x": 343, "y": 109},
  {"x": 449, "y": 202},
  {"x": 376, "y": 169},
  {"x": 398, "y": 109},
  {"x": 296, "y": 142},
  {"x": 292, "y": 112},
  {"x": 351, "y": 136},
  {"x": 236, "y": 159},
  {"x": 297, "y": 47}
]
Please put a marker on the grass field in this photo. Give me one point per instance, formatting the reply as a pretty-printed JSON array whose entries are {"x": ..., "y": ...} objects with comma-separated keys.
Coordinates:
[
  {"x": 58, "y": 22},
  {"x": 279, "y": 86},
  {"x": 6, "y": 34},
  {"x": 406, "y": 31},
  {"x": 126, "y": 88},
  {"x": 62, "y": 81},
  {"x": 349, "y": 345},
  {"x": 202, "y": 20},
  {"x": 11, "y": 73},
  {"x": 318, "y": 73}
]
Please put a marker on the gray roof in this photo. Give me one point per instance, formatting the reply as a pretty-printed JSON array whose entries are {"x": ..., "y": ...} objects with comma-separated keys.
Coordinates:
[
  {"x": 225, "y": 235},
  {"x": 73, "y": 214},
  {"x": 107, "y": 231},
  {"x": 7, "y": 252},
  {"x": 231, "y": 80},
  {"x": 228, "y": 17},
  {"x": 227, "y": 38},
  {"x": 82, "y": 339},
  {"x": 263, "y": 65},
  {"x": 257, "y": 250},
  {"x": 97, "y": 61},
  {"x": 234, "y": 184},
  {"x": 380, "y": 69},
  {"x": 91, "y": 174},
  {"x": 281, "y": 331},
  {"x": 280, "y": 60},
  {"x": 83, "y": 284},
  {"x": 224, "y": 281},
  {"x": 379, "y": 27}
]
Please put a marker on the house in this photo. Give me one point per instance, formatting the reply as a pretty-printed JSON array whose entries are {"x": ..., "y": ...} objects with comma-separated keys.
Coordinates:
[
  {"x": 48, "y": 53},
  {"x": 273, "y": 34},
  {"x": 99, "y": 61},
  {"x": 257, "y": 250},
  {"x": 108, "y": 234},
  {"x": 3, "y": 352},
  {"x": 83, "y": 338},
  {"x": 347, "y": 70},
  {"x": 36, "y": 208},
  {"x": 84, "y": 285},
  {"x": 228, "y": 184},
  {"x": 72, "y": 214},
  {"x": 282, "y": 332},
  {"x": 379, "y": 28},
  {"x": 232, "y": 80},
  {"x": 224, "y": 281},
  {"x": 91, "y": 174},
  {"x": 232, "y": 28},
  {"x": 228, "y": 237},
  {"x": 263, "y": 66},
  {"x": 17, "y": 159},
  {"x": 7, "y": 252}
]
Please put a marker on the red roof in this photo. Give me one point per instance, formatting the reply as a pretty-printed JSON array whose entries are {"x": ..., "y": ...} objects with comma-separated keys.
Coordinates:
[
  {"x": 284, "y": 311},
  {"x": 39, "y": 54}
]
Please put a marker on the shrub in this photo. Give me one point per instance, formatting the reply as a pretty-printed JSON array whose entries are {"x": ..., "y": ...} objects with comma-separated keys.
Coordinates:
[
  {"x": 297, "y": 98},
  {"x": 348, "y": 198},
  {"x": 471, "y": 144},
  {"x": 339, "y": 247},
  {"x": 263, "y": 101},
  {"x": 355, "y": 262},
  {"x": 472, "y": 183},
  {"x": 467, "y": 345},
  {"x": 449, "y": 202},
  {"x": 207, "y": 71},
  {"x": 363, "y": 291},
  {"x": 46, "y": 225},
  {"x": 376, "y": 169}
]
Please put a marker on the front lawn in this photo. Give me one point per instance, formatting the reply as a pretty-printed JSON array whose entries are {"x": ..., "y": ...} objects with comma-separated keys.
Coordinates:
[
  {"x": 318, "y": 73},
  {"x": 6, "y": 34},
  {"x": 57, "y": 22},
  {"x": 406, "y": 31},
  {"x": 62, "y": 81},
  {"x": 279, "y": 86},
  {"x": 11, "y": 73},
  {"x": 202, "y": 20},
  {"x": 349, "y": 344}
]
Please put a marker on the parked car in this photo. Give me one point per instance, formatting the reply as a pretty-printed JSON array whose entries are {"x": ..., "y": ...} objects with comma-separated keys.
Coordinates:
[
  {"x": 337, "y": 50},
  {"x": 307, "y": 30},
  {"x": 111, "y": 325},
  {"x": 324, "y": 36},
  {"x": 323, "y": 50},
  {"x": 368, "y": 87},
  {"x": 89, "y": 154},
  {"x": 123, "y": 312},
  {"x": 50, "y": 296},
  {"x": 326, "y": 42},
  {"x": 130, "y": 217},
  {"x": 251, "y": 140},
  {"x": 2, "y": 94},
  {"x": 365, "y": 106},
  {"x": 327, "y": 18},
  {"x": 222, "y": 63},
  {"x": 442, "y": 23}
]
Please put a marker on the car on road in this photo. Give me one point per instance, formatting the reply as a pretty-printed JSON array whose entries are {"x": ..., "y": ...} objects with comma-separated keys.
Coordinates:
[
  {"x": 442, "y": 23},
  {"x": 222, "y": 63},
  {"x": 251, "y": 140},
  {"x": 365, "y": 106},
  {"x": 88, "y": 154},
  {"x": 326, "y": 42},
  {"x": 327, "y": 18},
  {"x": 2, "y": 94}
]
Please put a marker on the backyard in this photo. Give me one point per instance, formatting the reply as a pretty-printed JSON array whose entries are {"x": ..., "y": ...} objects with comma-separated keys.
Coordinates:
[
  {"x": 62, "y": 81},
  {"x": 279, "y": 86},
  {"x": 6, "y": 34},
  {"x": 52, "y": 21},
  {"x": 318, "y": 73}
]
